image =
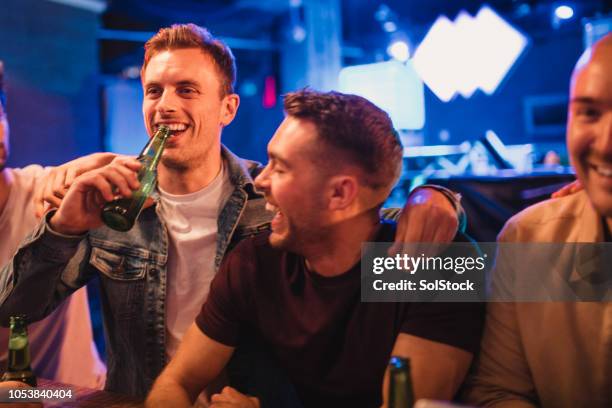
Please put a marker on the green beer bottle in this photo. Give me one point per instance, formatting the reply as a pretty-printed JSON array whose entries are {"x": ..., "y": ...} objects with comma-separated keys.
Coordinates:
[
  {"x": 121, "y": 214},
  {"x": 19, "y": 368},
  {"x": 401, "y": 394}
]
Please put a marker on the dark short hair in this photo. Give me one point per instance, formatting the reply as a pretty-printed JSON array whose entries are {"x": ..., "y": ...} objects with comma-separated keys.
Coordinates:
[
  {"x": 182, "y": 36},
  {"x": 354, "y": 129}
]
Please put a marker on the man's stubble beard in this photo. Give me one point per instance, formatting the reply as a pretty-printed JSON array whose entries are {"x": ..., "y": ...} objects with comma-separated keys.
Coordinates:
[
  {"x": 180, "y": 164},
  {"x": 174, "y": 164},
  {"x": 297, "y": 242}
]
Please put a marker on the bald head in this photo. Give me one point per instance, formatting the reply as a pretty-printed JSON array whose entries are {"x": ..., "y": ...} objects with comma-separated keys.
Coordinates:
[
  {"x": 596, "y": 58},
  {"x": 589, "y": 124}
]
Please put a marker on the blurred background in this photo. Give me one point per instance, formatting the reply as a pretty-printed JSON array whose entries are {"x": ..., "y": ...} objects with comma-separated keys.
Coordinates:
[
  {"x": 478, "y": 91},
  {"x": 73, "y": 87}
]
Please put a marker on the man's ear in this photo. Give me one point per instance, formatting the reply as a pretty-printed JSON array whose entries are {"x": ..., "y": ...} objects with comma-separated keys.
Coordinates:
[
  {"x": 343, "y": 191},
  {"x": 229, "y": 108}
]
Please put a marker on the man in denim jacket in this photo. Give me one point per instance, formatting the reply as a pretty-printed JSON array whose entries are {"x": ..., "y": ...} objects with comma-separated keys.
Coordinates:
[{"x": 154, "y": 278}]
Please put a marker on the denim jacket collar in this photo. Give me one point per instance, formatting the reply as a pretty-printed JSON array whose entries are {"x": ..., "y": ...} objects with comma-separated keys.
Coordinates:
[{"x": 239, "y": 172}]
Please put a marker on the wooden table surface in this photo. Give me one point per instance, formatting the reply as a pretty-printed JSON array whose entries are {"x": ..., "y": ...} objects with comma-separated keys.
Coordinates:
[{"x": 82, "y": 398}]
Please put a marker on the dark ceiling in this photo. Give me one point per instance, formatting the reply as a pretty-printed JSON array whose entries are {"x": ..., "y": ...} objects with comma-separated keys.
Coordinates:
[{"x": 266, "y": 20}]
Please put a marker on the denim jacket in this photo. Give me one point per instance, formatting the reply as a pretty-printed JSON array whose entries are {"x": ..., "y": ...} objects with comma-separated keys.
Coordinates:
[{"x": 133, "y": 271}]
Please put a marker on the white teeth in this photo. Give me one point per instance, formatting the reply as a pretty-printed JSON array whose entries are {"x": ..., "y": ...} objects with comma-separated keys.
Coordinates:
[
  {"x": 271, "y": 207},
  {"x": 174, "y": 127},
  {"x": 604, "y": 171},
  {"x": 177, "y": 127}
]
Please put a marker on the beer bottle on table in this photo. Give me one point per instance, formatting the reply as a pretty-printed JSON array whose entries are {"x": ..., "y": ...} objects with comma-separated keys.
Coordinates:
[
  {"x": 121, "y": 214},
  {"x": 401, "y": 394},
  {"x": 19, "y": 368}
]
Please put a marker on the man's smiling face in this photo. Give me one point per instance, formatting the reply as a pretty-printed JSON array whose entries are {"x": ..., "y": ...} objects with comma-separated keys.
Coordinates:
[
  {"x": 182, "y": 89},
  {"x": 589, "y": 127},
  {"x": 293, "y": 186}
]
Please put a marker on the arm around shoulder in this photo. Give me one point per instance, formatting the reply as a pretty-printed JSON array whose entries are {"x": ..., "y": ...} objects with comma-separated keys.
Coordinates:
[{"x": 431, "y": 214}]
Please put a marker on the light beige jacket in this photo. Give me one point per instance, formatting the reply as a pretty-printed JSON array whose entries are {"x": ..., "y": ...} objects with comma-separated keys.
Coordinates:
[{"x": 547, "y": 354}]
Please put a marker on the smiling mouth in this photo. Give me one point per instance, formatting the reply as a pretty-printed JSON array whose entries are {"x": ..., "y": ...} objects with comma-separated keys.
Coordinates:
[
  {"x": 175, "y": 128},
  {"x": 604, "y": 171},
  {"x": 271, "y": 207},
  {"x": 278, "y": 215}
]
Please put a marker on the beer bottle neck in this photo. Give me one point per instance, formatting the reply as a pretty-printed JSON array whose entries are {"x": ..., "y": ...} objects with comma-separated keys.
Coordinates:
[
  {"x": 18, "y": 328},
  {"x": 152, "y": 151},
  {"x": 19, "y": 332}
]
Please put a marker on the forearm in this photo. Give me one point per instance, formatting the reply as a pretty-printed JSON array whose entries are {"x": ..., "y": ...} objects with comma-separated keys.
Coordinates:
[
  {"x": 198, "y": 360},
  {"x": 434, "y": 384},
  {"x": 31, "y": 282},
  {"x": 168, "y": 393},
  {"x": 437, "y": 369},
  {"x": 438, "y": 383}
]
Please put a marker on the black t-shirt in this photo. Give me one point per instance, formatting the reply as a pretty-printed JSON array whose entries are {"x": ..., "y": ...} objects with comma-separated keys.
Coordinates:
[{"x": 333, "y": 348}]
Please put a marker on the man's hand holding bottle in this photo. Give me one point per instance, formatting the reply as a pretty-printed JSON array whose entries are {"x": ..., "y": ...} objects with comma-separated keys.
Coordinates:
[
  {"x": 52, "y": 187},
  {"x": 80, "y": 209}
]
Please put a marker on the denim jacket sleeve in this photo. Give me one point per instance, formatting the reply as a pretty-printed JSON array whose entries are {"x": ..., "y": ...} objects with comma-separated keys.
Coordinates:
[{"x": 47, "y": 268}]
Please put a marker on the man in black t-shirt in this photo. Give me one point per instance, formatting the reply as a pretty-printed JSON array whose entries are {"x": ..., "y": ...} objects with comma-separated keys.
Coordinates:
[{"x": 296, "y": 290}]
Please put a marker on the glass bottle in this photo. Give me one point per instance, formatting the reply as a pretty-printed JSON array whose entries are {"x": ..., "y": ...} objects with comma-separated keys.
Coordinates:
[
  {"x": 401, "y": 394},
  {"x": 19, "y": 362},
  {"x": 121, "y": 214}
]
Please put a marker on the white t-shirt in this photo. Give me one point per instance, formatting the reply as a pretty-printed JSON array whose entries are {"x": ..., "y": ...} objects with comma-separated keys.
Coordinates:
[
  {"x": 61, "y": 345},
  {"x": 191, "y": 220}
]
